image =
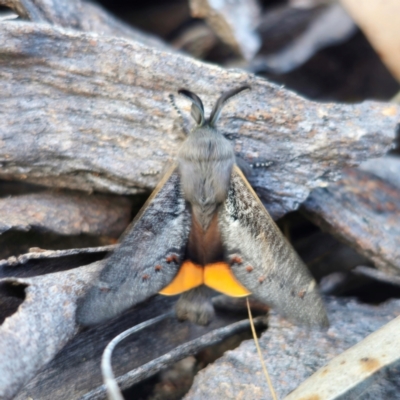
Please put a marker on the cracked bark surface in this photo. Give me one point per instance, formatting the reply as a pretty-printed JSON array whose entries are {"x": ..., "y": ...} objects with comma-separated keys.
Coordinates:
[
  {"x": 85, "y": 106},
  {"x": 362, "y": 210},
  {"x": 100, "y": 119},
  {"x": 37, "y": 316},
  {"x": 294, "y": 353},
  {"x": 65, "y": 213}
]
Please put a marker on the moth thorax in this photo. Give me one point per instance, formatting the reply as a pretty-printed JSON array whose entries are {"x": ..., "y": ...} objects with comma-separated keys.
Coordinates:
[
  {"x": 205, "y": 166},
  {"x": 205, "y": 186}
]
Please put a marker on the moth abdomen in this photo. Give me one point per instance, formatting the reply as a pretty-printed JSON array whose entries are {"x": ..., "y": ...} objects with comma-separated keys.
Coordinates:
[
  {"x": 204, "y": 245},
  {"x": 195, "y": 305}
]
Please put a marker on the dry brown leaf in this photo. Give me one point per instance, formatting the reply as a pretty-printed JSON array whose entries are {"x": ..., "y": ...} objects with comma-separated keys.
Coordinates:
[{"x": 380, "y": 21}]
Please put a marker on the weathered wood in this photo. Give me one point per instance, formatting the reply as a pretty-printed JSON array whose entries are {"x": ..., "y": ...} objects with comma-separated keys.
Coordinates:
[
  {"x": 234, "y": 21},
  {"x": 377, "y": 275},
  {"x": 44, "y": 322},
  {"x": 284, "y": 22},
  {"x": 39, "y": 306},
  {"x": 197, "y": 40},
  {"x": 323, "y": 254},
  {"x": 294, "y": 353},
  {"x": 80, "y": 15},
  {"x": 39, "y": 261},
  {"x": 386, "y": 168},
  {"x": 365, "y": 363},
  {"x": 363, "y": 211},
  {"x": 66, "y": 213},
  {"x": 100, "y": 119},
  {"x": 332, "y": 26},
  {"x": 192, "y": 347}
]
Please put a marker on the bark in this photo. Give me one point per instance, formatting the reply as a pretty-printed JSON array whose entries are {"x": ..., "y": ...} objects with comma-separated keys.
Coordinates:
[
  {"x": 37, "y": 316},
  {"x": 100, "y": 119},
  {"x": 234, "y": 22},
  {"x": 65, "y": 213},
  {"x": 39, "y": 261},
  {"x": 363, "y": 211},
  {"x": 43, "y": 323},
  {"x": 294, "y": 353},
  {"x": 332, "y": 26},
  {"x": 80, "y": 15},
  {"x": 367, "y": 363},
  {"x": 209, "y": 339},
  {"x": 85, "y": 106}
]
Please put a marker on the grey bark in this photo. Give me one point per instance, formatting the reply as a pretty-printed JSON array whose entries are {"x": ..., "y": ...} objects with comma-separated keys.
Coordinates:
[
  {"x": 65, "y": 213},
  {"x": 80, "y": 15},
  {"x": 293, "y": 353},
  {"x": 234, "y": 21},
  {"x": 99, "y": 118},
  {"x": 363, "y": 211}
]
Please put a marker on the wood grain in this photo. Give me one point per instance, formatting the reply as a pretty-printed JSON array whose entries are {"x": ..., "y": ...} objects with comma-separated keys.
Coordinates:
[{"x": 91, "y": 112}]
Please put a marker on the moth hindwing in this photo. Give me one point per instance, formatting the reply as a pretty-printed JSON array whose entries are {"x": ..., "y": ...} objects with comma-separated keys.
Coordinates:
[{"x": 204, "y": 226}]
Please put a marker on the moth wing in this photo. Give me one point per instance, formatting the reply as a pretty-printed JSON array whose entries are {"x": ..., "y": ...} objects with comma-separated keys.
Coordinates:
[
  {"x": 262, "y": 259},
  {"x": 147, "y": 258}
]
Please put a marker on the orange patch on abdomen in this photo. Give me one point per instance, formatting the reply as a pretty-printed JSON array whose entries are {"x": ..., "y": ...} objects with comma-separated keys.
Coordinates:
[
  {"x": 189, "y": 276},
  {"x": 204, "y": 264},
  {"x": 217, "y": 276}
]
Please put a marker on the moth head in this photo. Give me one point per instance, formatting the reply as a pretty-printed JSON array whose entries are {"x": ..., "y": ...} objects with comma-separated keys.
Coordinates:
[{"x": 197, "y": 110}]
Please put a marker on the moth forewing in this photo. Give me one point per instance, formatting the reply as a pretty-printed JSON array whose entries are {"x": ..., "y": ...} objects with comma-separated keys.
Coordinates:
[
  {"x": 262, "y": 259},
  {"x": 148, "y": 257},
  {"x": 204, "y": 226}
]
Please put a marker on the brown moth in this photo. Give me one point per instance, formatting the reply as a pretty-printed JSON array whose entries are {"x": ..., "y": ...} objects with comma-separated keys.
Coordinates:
[{"x": 204, "y": 227}]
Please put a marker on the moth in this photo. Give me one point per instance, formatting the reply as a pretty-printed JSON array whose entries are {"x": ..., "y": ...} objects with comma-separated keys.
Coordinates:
[{"x": 204, "y": 227}]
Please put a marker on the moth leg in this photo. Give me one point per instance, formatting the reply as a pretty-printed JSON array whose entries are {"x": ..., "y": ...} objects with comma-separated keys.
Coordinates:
[{"x": 244, "y": 166}]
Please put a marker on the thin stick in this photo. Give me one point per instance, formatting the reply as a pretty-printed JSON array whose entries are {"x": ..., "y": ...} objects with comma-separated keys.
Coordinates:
[
  {"x": 271, "y": 388},
  {"x": 113, "y": 391}
]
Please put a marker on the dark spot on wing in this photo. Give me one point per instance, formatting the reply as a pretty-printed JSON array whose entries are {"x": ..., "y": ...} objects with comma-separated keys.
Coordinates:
[
  {"x": 302, "y": 293},
  {"x": 261, "y": 279},
  {"x": 236, "y": 260},
  {"x": 172, "y": 258},
  {"x": 145, "y": 277},
  {"x": 158, "y": 267},
  {"x": 249, "y": 268},
  {"x": 104, "y": 288}
]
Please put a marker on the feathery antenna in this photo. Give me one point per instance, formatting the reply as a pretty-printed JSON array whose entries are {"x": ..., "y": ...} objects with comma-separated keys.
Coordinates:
[
  {"x": 215, "y": 113},
  {"x": 197, "y": 110},
  {"x": 182, "y": 118}
]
